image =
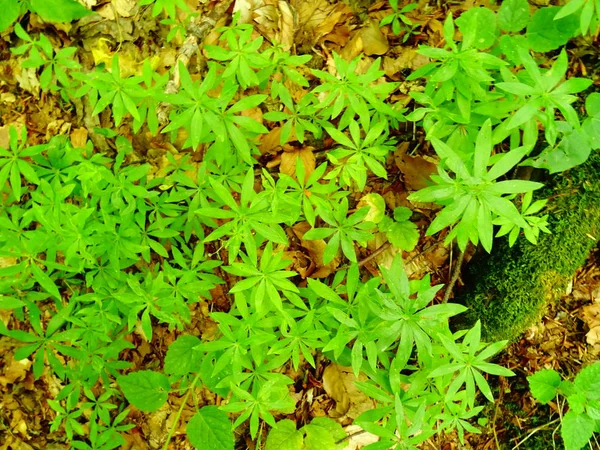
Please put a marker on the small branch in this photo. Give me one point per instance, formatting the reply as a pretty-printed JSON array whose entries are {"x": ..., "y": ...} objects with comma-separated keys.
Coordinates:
[
  {"x": 455, "y": 275},
  {"x": 378, "y": 251}
]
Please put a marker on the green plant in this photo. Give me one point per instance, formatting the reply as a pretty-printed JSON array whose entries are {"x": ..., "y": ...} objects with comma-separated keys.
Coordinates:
[
  {"x": 475, "y": 198},
  {"x": 582, "y": 420},
  {"x": 53, "y": 10},
  {"x": 344, "y": 231},
  {"x": 398, "y": 20},
  {"x": 353, "y": 156}
]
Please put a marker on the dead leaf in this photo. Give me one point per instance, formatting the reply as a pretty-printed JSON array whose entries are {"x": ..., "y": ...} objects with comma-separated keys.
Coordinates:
[
  {"x": 79, "y": 137},
  {"x": 15, "y": 371},
  {"x": 286, "y": 33},
  {"x": 416, "y": 170},
  {"x": 593, "y": 336},
  {"x": 359, "y": 438},
  {"x": 270, "y": 142},
  {"x": 315, "y": 251},
  {"x": 339, "y": 383},
  {"x": 289, "y": 159},
  {"x": 125, "y": 8},
  {"x": 374, "y": 42}
]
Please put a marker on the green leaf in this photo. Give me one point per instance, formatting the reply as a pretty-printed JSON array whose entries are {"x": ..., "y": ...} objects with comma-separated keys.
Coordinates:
[
  {"x": 181, "y": 357},
  {"x": 571, "y": 7},
  {"x": 210, "y": 429},
  {"x": 544, "y": 385},
  {"x": 479, "y": 28},
  {"x": 403, "y": 235},
  {"x": 284, "y": 436},
  {"x": 513, "y": 15},
  {"x": 334, "y": 430},
  {"x": 145, "y": 389},
  {"x": 592, "y": 104},
  {"x": 11, "y": 9},
  {"x": 546, "y": 34},
  {"x": 45, "y": 281},
  {"x": 59, "y": 10},
  {"x": 588, "y": 381},
  {"x": 576, "y": 430}
]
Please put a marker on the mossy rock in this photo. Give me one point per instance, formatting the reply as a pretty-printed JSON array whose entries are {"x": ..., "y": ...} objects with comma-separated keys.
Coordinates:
[{"x": 510, "y": 289}]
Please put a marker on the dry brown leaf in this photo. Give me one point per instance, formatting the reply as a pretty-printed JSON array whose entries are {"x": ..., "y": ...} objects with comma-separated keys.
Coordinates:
[
  {"x": 315, "y": 251},
  {"x": 270, "y": 142},
  {"x": 339, "y": 383},
  {"x": 289, "y": 160},
  {"x": 374, "y": 42},
  {"x": 359, "y": 438},
  {"x": 79, "y": 137},
  {"x": 15, "y": 371},
  {"x": 286, "y": 33},
  {"x": 352, "y": 49},
  {"x": 125, "y": 8},
  {"x": 593, "y": 336},
  {"x": 416, "y": 169}
]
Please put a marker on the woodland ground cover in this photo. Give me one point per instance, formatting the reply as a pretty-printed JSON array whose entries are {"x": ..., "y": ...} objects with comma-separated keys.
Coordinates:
[{"x": 227, "y": 224}]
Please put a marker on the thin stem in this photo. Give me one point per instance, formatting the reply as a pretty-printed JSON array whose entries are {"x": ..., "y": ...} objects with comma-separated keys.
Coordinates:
[{"x": 178, "y": 416}]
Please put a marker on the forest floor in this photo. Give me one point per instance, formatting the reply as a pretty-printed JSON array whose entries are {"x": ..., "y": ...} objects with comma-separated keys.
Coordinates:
[{"x": 567, "y": 337}]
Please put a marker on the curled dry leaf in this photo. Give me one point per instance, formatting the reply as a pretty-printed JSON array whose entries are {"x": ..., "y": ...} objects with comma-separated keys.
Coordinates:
[
  {"x": 339, "y": 383},
  {"x": 315, "y": 251}
]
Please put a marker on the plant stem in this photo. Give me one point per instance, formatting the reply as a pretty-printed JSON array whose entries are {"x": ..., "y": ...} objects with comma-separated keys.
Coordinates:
[{"x": 178, "y": 416}]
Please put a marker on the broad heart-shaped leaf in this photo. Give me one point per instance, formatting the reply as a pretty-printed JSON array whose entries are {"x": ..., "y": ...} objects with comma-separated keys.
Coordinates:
[
  {"x": 588, "y": 381},
  {"x": 59, "y": 10},
  {"x": 10, "y": 13},
  {"x": 479, "y": 29},
  {"x": 181, "y": 357},
  {"x": 576, "y": 430},
  {"x": 592, "y": 104},
  {"x": 513, "y": 15},
  {"x": 545, "y": 34},
  {"x": 544, "y": 385},
  {"x": 284, "y": 436},
  {"x": 314, "y": 434},
  {"x": 403, "y": 235},
  {"x": 210, "y": 429},
  {"x": 146, "y": 390},
  {"x": 573, "y": 150}
]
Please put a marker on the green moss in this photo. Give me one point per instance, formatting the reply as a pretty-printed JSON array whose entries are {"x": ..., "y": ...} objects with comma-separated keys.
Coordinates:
[{"x": 511, "y": 288}]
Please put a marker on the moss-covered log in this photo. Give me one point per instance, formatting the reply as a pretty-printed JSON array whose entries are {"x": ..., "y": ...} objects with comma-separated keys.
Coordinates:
[{"x": 509, "y": 290}]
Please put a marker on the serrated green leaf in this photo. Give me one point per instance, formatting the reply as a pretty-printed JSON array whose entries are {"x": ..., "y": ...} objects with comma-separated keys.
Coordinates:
[
  {"x": 181, "y": 357},
  {"x": 284, "y": 436},
  {"x": 145, "y": 389},
  {"x": 544, "y": 384},
  {"x": 546, "y": 34},
  {"x": 10, "y": 13},
  {"x": 576, "y": 430},
  {"x": 513, "y": 15},
  {"x": 588, "y": 381},
  {"x": 210, "y": 429}
]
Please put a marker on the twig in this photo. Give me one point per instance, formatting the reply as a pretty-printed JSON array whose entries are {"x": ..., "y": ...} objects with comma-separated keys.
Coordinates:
[
  {"x": 535, "y": 430},
  {"x": 455, "y": 275},
  {"x": 378, "y": 251},
  {"x": 198, "y": 32}
]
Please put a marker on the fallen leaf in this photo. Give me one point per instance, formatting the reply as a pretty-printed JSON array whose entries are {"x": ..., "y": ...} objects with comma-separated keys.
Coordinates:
[
  {"x": 79, "y": 137},
  {"x": 289, "y": 160},
  {"x": 359, "y": 438},
  {"x": 416, "y": 170},
  {"x": 374, "y": 42},
  {"x": 339, "y": 383},
  {"x": 315, "y": 251},
  {"x": 125, "y": 8}
]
